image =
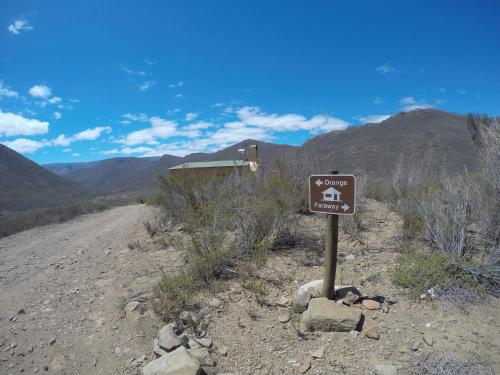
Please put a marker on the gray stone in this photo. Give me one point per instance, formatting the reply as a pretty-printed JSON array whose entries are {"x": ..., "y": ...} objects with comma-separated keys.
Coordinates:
[
  {"x": 193, "y": 344},
  {"x": 385, "y": 370},
  {"x": 350, "y": 298},
  {"x": 429, "y": 339},
  {"x": 205, "y": 342},
  {"x": 168, "y": 340},
  {"x": 157, "y": 350},
  {"x": 178, "y": 362},
  {"x": 131, "y": 306},
  {"x": 325, "y": 315},
  {"x": 319, "y": 353},
  {"x": 202, "y": 356}
]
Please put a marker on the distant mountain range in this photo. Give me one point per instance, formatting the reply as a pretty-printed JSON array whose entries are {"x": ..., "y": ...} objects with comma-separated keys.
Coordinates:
[
  {"x": 373, "y": 149},
  {"x": 26, "y": 185}
]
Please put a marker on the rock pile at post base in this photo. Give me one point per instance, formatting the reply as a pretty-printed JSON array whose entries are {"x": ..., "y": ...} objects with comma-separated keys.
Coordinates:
[{"x": 323, "y": 314}]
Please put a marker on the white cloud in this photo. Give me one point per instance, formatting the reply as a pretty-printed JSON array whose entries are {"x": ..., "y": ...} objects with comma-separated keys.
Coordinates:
[
  {"x": 57, "y": 115},
  {"x": 409, "y": 103},
  {"x": 147, "y": 85},
  {"x": 176, "y": 85},
  {"x": 191, "y": 116},
  {"x": 442, "y": 90},
  {"x": 40, "y": 91},
  {"x": 151, "y": 62},
  {"x": 85, "y": 135},
  {"x": 129, "y": 150},
  {"x": 66, "y": 150},
  {"x": 165, "y": 137},
  {"x": 12, "y": 124},
  {"x": 178, "y": 96},
  {"x": 198, "y": 125},
  {"x": 76, "y": 154},
  {"x": 19, "y": 25},
  {"x": 378, "y": 100},
  {"x": 133, "y": 117},
  {"x": 24, "y": 145},
  {"x": 373, "y": 119},
  {"x": 160, "y": 128},
  {"x": 7, "y": 92},
  {"x": 407, "y": 100},
  {"x": 290, "y": 122},
  {"x": 127, "y": 70},
  {"x": 54, "y": 100},
  {"x": 91, "y": 134},
  {"x": 385, "y": 69}
]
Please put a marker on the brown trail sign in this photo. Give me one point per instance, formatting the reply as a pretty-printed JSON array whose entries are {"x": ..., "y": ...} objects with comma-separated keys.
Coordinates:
[{"x": 334, "y": 195}]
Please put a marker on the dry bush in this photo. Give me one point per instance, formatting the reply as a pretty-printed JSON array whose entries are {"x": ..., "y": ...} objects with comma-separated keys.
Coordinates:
[
  {"x": 447, "y": 364},
  {"x": 445, "y": 212},
  {"x": 172, "y": 295}
]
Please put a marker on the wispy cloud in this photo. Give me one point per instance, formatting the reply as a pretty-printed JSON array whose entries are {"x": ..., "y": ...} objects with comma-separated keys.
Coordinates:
[
  {"x": 12, "y": 124},
  {"x": 176, "y": 85},
  {"x": 409, "y": 103},
  {"x": 90, "y": 134},
  {"x": 373, "y": 119},
  {"x": 7, "y": 92},
  {"x": 24, "y": 145},
  {"x": 126, "y": 69},
  {"x": 385, "y": 69},
  {"x": 151, "y": 62},
  {"x": 378, "y": 100},
  {"x": 19, "y": 25},
  {"x": 130, "y": 117},
  {"x": 190, "y": 116},
  {"x": 57, "y": 115},
  {"x": 147, "y": 85}
]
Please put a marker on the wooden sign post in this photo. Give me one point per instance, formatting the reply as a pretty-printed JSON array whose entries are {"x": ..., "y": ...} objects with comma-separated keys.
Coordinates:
[{"x": 334, "y": 195}]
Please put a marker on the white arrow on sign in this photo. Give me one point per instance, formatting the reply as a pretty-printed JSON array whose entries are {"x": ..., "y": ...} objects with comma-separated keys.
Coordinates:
[
  {"x": 319, "y": 182},
  {"x": 345, "y": 207}
]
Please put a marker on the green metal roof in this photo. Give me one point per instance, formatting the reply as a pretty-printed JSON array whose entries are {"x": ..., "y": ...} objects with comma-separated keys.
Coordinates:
[{"x": 212, "y": 164}]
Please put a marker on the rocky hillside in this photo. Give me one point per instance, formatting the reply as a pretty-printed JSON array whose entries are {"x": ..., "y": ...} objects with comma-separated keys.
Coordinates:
[
  {"x": 26, "y": 185},
  {"x": 439, "y": 137}
]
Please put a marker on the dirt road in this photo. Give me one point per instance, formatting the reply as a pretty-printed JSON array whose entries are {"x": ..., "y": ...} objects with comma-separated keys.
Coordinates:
[{"x": 60, "y": 287}]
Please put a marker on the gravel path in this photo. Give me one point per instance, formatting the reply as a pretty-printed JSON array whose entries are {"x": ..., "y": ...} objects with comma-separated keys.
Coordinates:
[{"x": 60, "y": 287}]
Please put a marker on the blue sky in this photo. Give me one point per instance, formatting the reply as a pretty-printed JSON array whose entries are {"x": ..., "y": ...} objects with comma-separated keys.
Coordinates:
[{"x": 87, "y": 80}]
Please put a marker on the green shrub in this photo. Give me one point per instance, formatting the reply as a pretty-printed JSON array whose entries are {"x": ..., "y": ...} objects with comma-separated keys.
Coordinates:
[
  {"x": 172, "y": 295},
  {"x": 419, "y": 271}
]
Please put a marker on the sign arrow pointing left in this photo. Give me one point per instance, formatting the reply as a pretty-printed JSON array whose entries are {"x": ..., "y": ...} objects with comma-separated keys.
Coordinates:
[{"x": 319, "y": 182}]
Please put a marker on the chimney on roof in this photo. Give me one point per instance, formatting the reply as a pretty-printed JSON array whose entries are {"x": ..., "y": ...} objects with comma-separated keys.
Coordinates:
[
  {"x": 252, "y": 153},
  {"x": 242, "y": 153}
]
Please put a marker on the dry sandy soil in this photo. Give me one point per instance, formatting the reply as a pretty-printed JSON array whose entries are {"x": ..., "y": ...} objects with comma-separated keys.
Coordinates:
[{"x": 68, "y": 278}]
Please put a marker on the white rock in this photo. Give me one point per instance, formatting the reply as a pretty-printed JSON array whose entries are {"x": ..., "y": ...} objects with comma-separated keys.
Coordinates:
[
  {"x": 385, "y": 370},
  {"x": 306, "y": 292},
  {"x": 168, "y": 340},
  {"x": 178, "y": 362}
]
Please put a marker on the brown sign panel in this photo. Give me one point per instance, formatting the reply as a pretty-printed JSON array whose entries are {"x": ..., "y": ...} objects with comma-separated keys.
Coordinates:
[{"x": 332, "y": 194}]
